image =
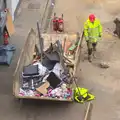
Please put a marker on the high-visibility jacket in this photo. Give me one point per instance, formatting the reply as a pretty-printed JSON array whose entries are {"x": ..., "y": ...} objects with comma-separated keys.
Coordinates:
[
  {"x": 92, "y": 31},
  {"x": 81, "y": 95},
  {"x": 80, "y": 92}
]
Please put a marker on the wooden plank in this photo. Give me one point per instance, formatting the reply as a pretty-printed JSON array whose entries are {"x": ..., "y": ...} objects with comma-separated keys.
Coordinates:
[
  {"x": 44, "y": 98},
  {"x": 88, "y": 111},
  {"x": 78, "y": 54},
  {"x": 9, "y": 24}
]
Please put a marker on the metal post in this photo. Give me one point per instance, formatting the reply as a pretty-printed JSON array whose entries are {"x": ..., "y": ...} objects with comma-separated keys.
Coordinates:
[{"x": 40, "y": 40}]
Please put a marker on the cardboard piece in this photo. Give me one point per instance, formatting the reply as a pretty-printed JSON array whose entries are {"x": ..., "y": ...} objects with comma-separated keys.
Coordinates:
[
  {"x": 43, "y": 88},
  {"x": 9, "y": 24}
]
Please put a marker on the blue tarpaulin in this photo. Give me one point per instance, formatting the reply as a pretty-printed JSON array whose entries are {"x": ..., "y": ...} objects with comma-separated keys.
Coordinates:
[{"x": 6, "y": 54}]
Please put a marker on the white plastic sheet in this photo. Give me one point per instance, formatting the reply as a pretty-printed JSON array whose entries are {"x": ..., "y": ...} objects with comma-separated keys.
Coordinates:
[
  {"x": 42, "y": 69},
  {"x": 58, "y": 69}
]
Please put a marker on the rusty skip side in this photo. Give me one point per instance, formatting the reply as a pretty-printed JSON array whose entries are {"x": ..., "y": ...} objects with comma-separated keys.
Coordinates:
[{"x": 88, "y": 111}]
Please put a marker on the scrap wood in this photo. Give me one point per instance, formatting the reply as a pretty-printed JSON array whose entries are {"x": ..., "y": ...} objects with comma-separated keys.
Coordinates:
[
  {"x": 68, "y": 61},
  {"x": 70, "y": 65},
  {"x": 43, "y": 88},
  {"x": 65, "y": 57},
  {"x": 78, "y": 52},
  {"x": 40, "y": 41},
  {"x": 61, "y": 53},
  {"x": 88, "y": 111},
  {"x": 9, "y": 24},
  {"x": 64, "y": 45}
]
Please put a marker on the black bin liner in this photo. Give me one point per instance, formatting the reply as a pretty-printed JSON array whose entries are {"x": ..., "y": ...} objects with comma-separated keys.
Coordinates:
[
  {"x": 53, "y": 80},
  {"x": 48, "y": 63}
]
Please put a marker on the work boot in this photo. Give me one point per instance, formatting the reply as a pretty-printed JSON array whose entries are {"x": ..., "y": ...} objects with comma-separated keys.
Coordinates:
[{"x": 89, "y": 58}]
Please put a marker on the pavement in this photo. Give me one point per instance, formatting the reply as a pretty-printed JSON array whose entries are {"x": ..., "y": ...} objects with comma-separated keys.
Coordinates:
[
  {"x": 103, "y": 82},
  {"x": 10, "y": 108}
]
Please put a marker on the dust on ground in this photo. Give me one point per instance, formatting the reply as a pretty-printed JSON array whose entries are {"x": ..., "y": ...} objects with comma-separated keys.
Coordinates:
[
  {"x": 29, "y": 13},
  {"x": 104, "y": 82}
]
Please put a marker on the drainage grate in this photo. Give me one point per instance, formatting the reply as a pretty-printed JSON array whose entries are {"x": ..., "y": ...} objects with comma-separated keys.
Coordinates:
[{"x": 34, "y": 6}]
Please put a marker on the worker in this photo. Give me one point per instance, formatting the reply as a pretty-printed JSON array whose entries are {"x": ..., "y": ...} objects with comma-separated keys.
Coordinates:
[{"x": 92, "y": 33}]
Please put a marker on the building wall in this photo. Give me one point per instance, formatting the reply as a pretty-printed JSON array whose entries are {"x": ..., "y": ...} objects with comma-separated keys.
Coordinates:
[
  {"x": 12, "y": 6},
  {"x": 9, "y": 5},
  {"x": 2, "y": 5}
]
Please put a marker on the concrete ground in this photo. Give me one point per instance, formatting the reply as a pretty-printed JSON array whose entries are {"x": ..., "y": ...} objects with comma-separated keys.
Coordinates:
[
  {"x": 105, "y": 82},
  {"x": 11, "y": 109}
]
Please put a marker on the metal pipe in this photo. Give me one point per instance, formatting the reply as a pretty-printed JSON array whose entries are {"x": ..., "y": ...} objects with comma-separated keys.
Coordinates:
[{"x": 40, "y": 40}]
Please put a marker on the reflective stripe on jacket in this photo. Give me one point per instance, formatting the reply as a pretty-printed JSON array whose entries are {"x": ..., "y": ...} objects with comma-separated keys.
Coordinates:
[{"x": 92, "y": 30}]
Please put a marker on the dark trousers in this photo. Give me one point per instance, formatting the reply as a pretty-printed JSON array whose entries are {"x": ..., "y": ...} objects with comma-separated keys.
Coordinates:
[{"x": 91, "y": 47}]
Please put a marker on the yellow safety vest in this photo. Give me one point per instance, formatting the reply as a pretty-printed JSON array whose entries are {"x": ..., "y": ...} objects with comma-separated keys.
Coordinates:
[
  {"x": 80, "y": 92},
  {"x": 92, "y": 30}
]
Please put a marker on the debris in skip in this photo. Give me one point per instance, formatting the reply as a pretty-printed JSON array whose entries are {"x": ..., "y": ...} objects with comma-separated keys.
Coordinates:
[
  {"x": 104, "y": 65},
  {"x": 49, "y": 73},
  {"x": 47, "y": 78}
]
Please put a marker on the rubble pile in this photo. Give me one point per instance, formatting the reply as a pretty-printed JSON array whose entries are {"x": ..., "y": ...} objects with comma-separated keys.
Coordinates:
[{"x": 47, "y": 75}]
